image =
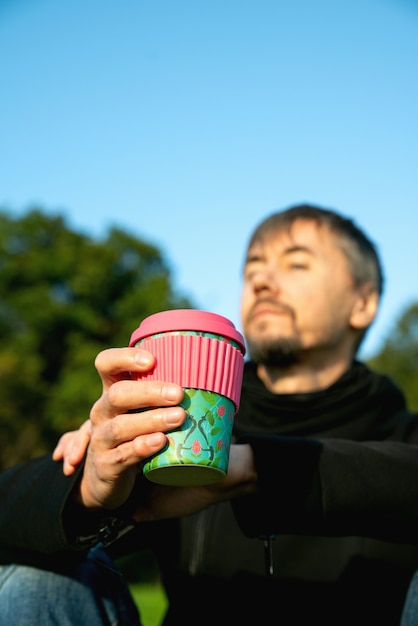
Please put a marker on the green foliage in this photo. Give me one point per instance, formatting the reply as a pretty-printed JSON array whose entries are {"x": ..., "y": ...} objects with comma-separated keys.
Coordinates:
[
  {"x": 64, "y": 297},
  {"x": 151, "y": 601},
  {"x": 399, "y": 355}
]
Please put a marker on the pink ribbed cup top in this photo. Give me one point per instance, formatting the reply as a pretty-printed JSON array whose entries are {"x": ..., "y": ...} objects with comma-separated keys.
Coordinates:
[{"x": 195, "y": 349}]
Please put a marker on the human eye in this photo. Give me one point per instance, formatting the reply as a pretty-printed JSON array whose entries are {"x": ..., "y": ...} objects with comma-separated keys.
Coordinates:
[
  {"x": 252, "y": 265},
  {"x": 250, "y": 270},
  {"x": 298, "y": 261},
  {"x": 299, "y": 265}
]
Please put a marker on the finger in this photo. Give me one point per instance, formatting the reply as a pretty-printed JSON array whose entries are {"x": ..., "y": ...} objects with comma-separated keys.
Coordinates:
[
  {"x": 129, "y": 454},
  {"x": 68, "y": 468},
  {"x": 128, "y": 427},
  {"x": 64, "y": 442},
  {"x": 75, "y": 453},
  {"x": 116, "y": 364},
  {"x": 128, "y": 395}
]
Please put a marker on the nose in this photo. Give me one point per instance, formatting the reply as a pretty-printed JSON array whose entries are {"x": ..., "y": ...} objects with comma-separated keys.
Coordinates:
[{"x": 265, "y": 281}]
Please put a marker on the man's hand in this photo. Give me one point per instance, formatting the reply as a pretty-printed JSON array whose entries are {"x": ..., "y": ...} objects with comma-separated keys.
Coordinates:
[
  {"x": 160, "y": 502},
  {"x": 116, "y": 441},
  {"x": 117, "y": 438}
]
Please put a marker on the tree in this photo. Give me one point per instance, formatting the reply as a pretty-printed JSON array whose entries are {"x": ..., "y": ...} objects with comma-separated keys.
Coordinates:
[
  {"x": 64, "y": 297},
  {"x": 399, "y": 355}
]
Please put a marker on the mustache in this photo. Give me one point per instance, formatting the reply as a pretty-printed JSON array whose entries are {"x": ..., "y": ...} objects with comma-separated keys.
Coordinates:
[{"x": 273, "y": 304}]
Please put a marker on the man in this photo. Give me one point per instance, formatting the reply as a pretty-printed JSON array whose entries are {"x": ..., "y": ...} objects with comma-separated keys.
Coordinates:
[{"x": 318, "y": 517}]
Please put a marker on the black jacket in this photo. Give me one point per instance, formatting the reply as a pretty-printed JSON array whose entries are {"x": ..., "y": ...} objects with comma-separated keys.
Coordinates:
[
  {"x": 339, "y": 499},
  {"x": 338, "y": 475}
]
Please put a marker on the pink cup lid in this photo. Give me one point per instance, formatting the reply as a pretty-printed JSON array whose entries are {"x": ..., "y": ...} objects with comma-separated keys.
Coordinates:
[{"x": 187, "y": 319}]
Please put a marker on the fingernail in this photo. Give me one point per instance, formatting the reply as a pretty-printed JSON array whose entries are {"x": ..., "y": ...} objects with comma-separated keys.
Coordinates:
[
  {"x": 143, "y": 358},
  {"x": 154, "y": 440},
  {"x": 170, "y": 392},
  {"x": 173, "y": 416}
]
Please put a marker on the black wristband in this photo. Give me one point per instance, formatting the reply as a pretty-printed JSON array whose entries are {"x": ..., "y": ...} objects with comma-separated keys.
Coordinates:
[{"x": 85, "y": 528}]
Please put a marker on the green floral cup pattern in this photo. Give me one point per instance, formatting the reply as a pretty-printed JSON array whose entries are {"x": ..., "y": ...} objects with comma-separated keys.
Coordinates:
[{"x": 201, "y": 445}]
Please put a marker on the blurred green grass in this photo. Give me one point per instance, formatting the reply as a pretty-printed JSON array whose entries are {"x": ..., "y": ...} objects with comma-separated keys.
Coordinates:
[{"x": 151, "y": 601}]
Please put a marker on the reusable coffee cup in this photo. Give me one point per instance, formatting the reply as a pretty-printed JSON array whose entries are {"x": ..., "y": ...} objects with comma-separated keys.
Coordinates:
[{"x": 204, "y": 353}]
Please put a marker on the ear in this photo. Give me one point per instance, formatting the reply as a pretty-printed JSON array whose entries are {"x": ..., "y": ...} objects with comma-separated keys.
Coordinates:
[{"x": 365, "y": 307}]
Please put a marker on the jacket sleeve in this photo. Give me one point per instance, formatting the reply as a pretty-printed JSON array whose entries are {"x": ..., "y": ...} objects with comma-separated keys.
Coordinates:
[
  {"x": 33, "y": 497},
  {"x": 332, "y": 487},
  {"x": 39, "y": 522}
]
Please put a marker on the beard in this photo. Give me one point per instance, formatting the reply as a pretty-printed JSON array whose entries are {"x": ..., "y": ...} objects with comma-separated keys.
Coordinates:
[{"x": 280, "y": 352}]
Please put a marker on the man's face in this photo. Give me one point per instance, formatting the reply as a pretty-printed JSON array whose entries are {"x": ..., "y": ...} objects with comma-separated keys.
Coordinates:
[{"x": 298, "y": 293}]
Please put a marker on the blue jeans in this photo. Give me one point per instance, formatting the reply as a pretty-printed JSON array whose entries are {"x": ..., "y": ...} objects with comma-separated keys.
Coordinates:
[
  {"x": 94, "y": 593},
  {"x": 410, "y": 609}
]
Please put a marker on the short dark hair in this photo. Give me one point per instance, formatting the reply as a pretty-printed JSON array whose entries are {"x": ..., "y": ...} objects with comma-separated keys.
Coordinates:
[{"x": 359, "y": 250}]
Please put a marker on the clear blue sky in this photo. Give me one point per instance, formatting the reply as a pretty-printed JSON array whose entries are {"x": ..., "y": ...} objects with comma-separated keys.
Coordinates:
[{"x": 185, "y": 122}]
